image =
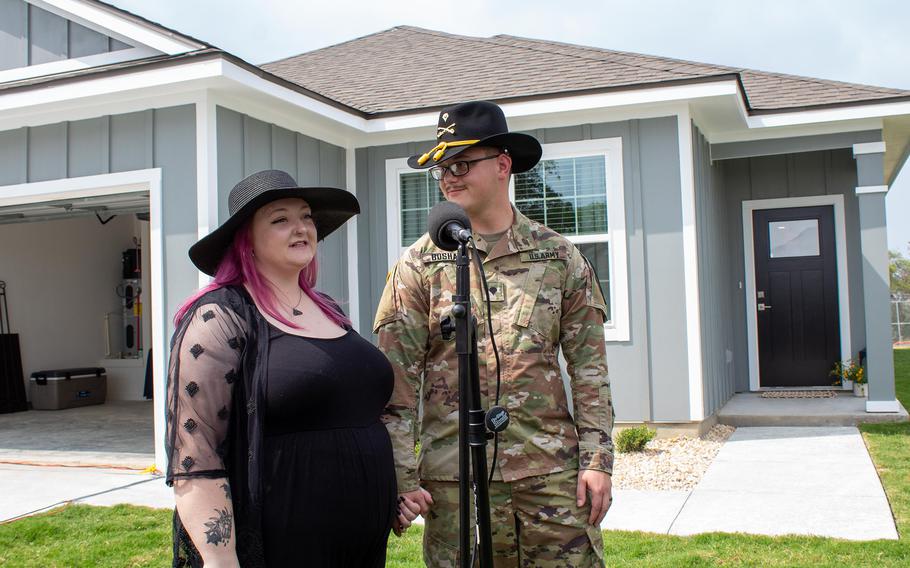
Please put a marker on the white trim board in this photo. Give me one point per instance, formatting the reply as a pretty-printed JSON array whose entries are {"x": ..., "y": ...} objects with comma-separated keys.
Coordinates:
[
  {"x": 843, "y": 289},
  {"x": 868, "y": 148},
  {"x": 111, "y": 184},
  {"x": 119, "y": 27},
  {"x": 393, "y": 170},
  {"x": 690, "y": 265},
  {"x": 206, "y": 171},
  {"x": 350, "y": 174},
  {"x": 883, "y": 406},
  {"x": 75, "y": 64},
  {"x": 861, "y": 189}
]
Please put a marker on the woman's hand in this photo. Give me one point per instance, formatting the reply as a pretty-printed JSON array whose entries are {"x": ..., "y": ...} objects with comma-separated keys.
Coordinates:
[{"x": 410, "y": 505}]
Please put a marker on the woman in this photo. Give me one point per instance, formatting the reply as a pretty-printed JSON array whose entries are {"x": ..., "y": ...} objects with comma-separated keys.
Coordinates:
[{"x": 275, "y": 449}]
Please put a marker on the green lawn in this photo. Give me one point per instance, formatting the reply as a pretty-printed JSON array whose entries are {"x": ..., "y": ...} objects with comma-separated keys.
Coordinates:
[{"x": 136, "y": 536}]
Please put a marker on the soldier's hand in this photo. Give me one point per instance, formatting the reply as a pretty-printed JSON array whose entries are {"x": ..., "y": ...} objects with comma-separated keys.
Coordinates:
[
  {"x": 599, "y": 485},
  {"x": 420, "y": 498}
]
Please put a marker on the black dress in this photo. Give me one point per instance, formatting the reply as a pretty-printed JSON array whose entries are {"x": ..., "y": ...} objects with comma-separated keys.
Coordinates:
[
  {"x": 329, "y": 492},
  {"x": 293, "y": 424}
]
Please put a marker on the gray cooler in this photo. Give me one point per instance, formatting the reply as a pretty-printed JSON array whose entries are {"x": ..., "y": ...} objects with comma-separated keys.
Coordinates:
[{"x": 67, "y": 388}]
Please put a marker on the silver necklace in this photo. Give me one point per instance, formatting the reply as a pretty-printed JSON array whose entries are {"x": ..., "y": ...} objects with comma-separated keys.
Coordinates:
[{"x": 294, "y": 309}]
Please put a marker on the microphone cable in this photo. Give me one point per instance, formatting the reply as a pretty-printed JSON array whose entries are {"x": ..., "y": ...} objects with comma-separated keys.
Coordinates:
[{"x": 489, "y": 310}]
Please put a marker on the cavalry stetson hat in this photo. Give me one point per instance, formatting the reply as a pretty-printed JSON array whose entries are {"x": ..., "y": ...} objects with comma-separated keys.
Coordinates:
[{"x": 477, "y": 123}]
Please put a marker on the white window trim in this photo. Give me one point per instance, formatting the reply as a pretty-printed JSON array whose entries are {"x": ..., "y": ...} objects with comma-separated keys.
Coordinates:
[
  {"x": 618, "y": 327},
  {"x": 393, "y": 170}
]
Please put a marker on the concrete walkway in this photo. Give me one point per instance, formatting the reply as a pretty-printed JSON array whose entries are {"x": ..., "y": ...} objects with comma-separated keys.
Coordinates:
[
  {"x": 767, "y": 480},
  {"x": 772, "y": 481},
  {"x": 33, "y": 489}
]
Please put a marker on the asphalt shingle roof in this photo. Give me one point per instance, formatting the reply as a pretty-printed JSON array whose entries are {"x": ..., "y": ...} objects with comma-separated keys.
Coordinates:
[{"x": 397, "y": 70}]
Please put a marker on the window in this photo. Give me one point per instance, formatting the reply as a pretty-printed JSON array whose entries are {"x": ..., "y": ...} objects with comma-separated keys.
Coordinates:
[
  {"x": 576, "y": 190},
  {"x": 793, "y": 238},
  {"x": 419, "y": 193}
]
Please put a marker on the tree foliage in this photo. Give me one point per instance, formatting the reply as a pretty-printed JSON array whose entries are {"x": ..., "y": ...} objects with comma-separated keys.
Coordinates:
[{"x": 900, "y": 274}]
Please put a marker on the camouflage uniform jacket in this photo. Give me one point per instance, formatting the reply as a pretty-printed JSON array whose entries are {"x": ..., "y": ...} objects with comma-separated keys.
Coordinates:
[{"x": 544, "y": 295}]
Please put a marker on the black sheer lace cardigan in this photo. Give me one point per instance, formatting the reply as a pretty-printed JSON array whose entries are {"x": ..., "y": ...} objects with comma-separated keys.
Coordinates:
[{"x": 215, "y": 392}]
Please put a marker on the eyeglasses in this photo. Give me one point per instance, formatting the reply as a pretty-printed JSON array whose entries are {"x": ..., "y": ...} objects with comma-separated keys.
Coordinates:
[{"x": 457, "y": 168}]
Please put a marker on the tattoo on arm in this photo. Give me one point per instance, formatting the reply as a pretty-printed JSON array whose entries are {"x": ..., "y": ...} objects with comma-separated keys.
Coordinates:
[
  {"x": 227, "y": 490},
  {"x": 218, "y": 528}
]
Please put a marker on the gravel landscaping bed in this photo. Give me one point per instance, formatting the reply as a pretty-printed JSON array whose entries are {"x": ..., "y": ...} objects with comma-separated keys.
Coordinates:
[{"x": 669, "y": 464}]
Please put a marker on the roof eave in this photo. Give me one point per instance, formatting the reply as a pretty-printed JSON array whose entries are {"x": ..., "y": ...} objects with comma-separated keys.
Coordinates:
[
  {"x": 577, "y": 93},
  {"x": 167, "y": 61},
  {"x": 829, "y": 106}
]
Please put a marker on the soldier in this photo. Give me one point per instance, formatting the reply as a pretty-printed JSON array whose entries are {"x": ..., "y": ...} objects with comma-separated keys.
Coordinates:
[{"x": 551, "y": 480}]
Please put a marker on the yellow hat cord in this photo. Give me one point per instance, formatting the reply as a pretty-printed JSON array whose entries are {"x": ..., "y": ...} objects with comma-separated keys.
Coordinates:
[{"x": 440, "y": 149}]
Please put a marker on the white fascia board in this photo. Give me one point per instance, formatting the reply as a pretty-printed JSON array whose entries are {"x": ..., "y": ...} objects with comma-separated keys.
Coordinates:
[
  {"x": 127, "y": 85},
  {"x": 572, "y": 103},
  {"x": 829, "y": 115},
  {"x": 262, "y": 107},
  {"x": 869, "y": 148},
  {"x": 863, "y": 189},
  {"x": 76, "y": 64},
  {"x": 423, "y": 133},
  {"x": 111, "y": 24},
  {"x": 253, "y": 81},
  {"x": 745, "y": 135}
]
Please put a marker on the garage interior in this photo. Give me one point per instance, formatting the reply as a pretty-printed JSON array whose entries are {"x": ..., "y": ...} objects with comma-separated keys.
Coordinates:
[{"x": 78, "y": 295}]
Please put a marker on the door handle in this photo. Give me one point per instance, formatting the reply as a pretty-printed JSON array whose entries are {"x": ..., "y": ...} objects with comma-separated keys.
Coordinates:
[{"x": 762, "y": 307}]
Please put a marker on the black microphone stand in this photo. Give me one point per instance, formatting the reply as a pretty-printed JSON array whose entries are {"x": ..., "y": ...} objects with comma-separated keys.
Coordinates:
[{"x": 472, "y": 431}]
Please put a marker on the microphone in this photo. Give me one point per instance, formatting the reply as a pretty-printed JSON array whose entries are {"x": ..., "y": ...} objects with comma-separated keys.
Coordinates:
[{"x": 448, "y": 225}]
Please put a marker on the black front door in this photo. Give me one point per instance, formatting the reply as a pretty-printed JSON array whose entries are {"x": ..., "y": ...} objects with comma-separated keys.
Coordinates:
[{"x": 796, "y": 296}]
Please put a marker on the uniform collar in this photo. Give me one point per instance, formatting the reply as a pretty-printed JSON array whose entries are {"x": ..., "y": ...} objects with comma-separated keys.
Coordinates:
[{"x": 518, "y": 238}]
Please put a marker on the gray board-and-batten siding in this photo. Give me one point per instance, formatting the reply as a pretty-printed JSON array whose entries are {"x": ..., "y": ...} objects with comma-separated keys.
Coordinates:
[
  {"x": 247, "y": 145},
  {"x": 719, "y": 358},
  {"x": 30, "y": 35},
  {"x": 649, "y": 373},
  {"x": 161, "y": 138}
]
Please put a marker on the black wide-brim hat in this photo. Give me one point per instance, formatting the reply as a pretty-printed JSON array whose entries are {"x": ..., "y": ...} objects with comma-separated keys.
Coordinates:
[
  {"x": 331, "y": 208},
  {"x": 477, "y": 123}
]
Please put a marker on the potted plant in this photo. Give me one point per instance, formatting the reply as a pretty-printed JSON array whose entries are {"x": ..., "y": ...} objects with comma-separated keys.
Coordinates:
[{"x": 850, "y": 371}]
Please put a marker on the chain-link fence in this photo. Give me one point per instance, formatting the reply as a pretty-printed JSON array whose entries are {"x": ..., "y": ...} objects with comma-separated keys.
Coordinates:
[{"x": 900, "y": 320}]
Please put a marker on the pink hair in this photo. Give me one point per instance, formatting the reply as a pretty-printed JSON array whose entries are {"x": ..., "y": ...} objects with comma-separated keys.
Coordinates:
[{"x": 238, "y": 268}]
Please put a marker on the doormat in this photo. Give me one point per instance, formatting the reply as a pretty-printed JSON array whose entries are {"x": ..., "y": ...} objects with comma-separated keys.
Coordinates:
[{"x": 799, "y": 394}]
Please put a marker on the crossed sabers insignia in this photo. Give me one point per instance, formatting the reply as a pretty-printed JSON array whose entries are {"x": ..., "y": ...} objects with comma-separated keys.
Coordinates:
[{"x": 440, "y": 130}]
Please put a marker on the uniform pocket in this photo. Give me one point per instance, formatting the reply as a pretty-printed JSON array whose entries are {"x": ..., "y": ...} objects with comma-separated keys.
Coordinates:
[
  {"x": 439, "y": 553},
  {"x": 542, "y": 303}
]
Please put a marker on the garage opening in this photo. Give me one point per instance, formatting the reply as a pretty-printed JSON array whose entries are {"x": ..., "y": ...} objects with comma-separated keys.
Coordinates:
[{"x": 78, "y": 296}]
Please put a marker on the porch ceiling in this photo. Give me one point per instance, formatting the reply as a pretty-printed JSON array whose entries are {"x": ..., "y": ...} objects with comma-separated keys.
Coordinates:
[{"x": 896, "y": 133}]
